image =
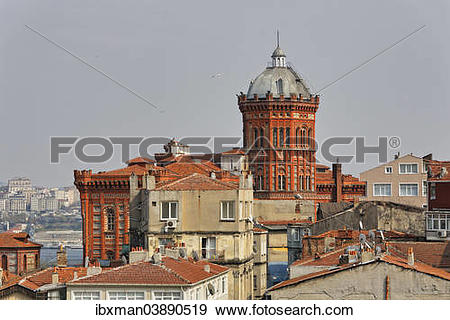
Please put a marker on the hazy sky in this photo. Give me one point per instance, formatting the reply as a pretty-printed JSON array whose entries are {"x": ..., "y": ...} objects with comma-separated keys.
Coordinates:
[{"x": 168, "y": 50}]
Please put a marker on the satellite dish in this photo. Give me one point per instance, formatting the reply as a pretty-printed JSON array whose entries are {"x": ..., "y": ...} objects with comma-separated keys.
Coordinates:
[
  {"x": 182, "y": 252},
  {"x": 362, "y": 238},
  {"x": 372, "y": 236},
  {"x": 378, "y": 250},
  {"x": 124, "y": 260},
  {"x": 195, "y": 255},
  {"x": 298, "y": 196}
]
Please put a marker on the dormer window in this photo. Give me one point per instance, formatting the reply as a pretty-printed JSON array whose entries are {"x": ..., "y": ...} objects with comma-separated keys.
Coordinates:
[{"x": 280, "y": 86}]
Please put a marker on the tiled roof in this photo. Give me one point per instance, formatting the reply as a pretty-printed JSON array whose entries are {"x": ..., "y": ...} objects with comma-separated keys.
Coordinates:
[
  {"x": 197, "y": 181},
  {"x": 327, "y": 259},
  {"x": 436, "y": 167},
  {"x": 234, "y": 151},
  {"x": 123, "y": 172},
  {"x": 17, "y": 240},
  {"x": 169, "y": 272},
  {"x": 259, "y": 230},
  {"x": 419, "y": 267},
  {"x": 283, "y": 222},
  {"x": 140, "y": 160},
  {"x": 436, "y": 254},
  {"x": 9, "y": 279},
  {"x": 65, "y": 274}
]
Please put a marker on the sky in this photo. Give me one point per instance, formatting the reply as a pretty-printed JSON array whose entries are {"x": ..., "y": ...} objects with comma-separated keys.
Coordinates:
[{"x": 169, "y": 51}]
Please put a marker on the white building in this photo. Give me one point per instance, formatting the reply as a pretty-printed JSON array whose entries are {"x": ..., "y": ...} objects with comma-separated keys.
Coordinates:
[
  {"x": 166, "y": 279},
  {"x": 19, "y": 184}
]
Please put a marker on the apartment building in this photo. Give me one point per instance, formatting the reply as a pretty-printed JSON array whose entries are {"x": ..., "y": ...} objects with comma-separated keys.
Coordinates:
[{"x": 403, "y": 180}]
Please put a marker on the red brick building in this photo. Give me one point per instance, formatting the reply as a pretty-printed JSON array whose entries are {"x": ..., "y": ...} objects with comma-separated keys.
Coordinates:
[
  {"x": 18, "y": 254},
  {"x": 279, "y": 119}
]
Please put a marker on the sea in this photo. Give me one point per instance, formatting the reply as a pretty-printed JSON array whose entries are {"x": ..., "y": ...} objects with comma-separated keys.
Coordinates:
[{"x": 74, "y": 256}]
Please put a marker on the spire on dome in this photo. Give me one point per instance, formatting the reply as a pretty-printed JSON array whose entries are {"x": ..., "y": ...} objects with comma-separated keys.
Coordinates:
[{"x": 278, "y": 56}]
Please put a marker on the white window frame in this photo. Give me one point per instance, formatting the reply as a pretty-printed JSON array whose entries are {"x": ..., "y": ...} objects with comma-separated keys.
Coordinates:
[
  {"x": 172, "y": 216},
  {"x": 210, "y": 251},
  {"x": 407, "y": 164},
  {"x": 85, "y": 294},
  {"x": 227, "y": 210},
  {"x": 386, "y": 169},
  {"x": 296, "y": 234},
  {"x": 424, "y": 188},
  {"x": 126, "y": 295},
  {"x": 407, "y": 195},
  {"x": 381, "y": 183},
  {"x": 167, "y": 295}
]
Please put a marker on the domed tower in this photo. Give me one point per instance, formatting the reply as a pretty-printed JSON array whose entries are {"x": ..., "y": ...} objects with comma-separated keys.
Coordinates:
[{"x": 278, "y": 114}]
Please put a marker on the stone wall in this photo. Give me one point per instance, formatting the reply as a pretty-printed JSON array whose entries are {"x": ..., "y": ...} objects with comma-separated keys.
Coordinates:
[{"x": 386, "y": 216}]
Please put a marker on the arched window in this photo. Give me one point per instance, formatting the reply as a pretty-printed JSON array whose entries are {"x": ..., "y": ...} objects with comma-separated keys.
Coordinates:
[
  {"x": 297, "y": 136},
  {"x": 301, "y": 182},
  {"x": 281, "y": 182},
  {"x": 261, "y": 137},
  {"x": 288, "y": 137},
  {"x": 25, "y": 263},
  {"x": 279, "y": 85},
  {"x": 109, "y": 255},
  {"x": 36, "y": 261},
  {"x": 303, "y": 136},
  {"x": 310, "y": 138},
  {"x": 111, "y": 219},
  {"x": 275, "y": 136},
  {"x": 255, "y": 134},
  {"x": 4, "y": 262},
  {"x": 281, "y": 137}
]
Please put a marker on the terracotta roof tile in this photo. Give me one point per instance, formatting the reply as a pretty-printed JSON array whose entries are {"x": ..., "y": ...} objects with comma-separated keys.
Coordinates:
[
  {"x": 17, "y": 240},
  {"x": 283, "y": 222},
  {"x": 197, "y": 182},
  {"x": 436, "y": 254},
  {"x": 170, "y": 271}
]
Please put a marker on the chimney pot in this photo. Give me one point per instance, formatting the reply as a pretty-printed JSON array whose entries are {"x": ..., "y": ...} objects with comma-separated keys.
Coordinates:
[{"x": 410, "y": 256}]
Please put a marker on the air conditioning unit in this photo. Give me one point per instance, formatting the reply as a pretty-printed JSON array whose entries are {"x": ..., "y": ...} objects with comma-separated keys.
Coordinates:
[
  {"x": 442, "y": 234},
  {"x": 171, "y": 224}
]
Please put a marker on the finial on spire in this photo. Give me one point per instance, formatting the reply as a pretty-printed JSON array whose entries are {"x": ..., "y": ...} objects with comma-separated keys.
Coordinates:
[{"x": 278, "y": 38}]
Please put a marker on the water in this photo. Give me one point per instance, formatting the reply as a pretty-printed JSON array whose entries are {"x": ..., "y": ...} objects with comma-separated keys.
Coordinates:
[{"x": 74, "y": 256}]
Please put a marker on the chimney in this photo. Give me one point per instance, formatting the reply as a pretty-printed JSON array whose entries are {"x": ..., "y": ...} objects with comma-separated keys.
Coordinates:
[
  {"x": 75, "y": 275},
  {"x": 337, "y": 177},
  {"x": 61, "y": 257},
  {"x": 410, "y": 256},
  {"x": 55, "y": 277},
  {"x": 207, "y": 268}
]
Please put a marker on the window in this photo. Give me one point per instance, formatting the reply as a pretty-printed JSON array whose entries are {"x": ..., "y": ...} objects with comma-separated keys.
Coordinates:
[
  {"x": 169, "y": 210},
  {"x": 261, "y": 137},
  {"x": 281, "y": 182},
  {"x": 227, "y": 210},
  {"x": 295, "y": 234},
  {"x": 424, "y": 188},
  {"x": 53, "y": 295},
  {"x": 275, "y": 137},
  {"x": 280, "y": 86},
  {"x": 224, "y": 284},
  {"x": 197, "y": 294},
  {"x": 408, "y": 168},
  {"x": 382, "y": 189},
  {"x": 255, "y": 282},
  {"x": 208, "y": 248},
  {"x": 288, "y": 137},
  {"x": 169, "y": 295},
  {"x": 409, "y": 189},
  {"x": 111, "y": 219},
  {"x": 121, "y": 295},
  {"x": 438, "y": 222},
  {"x": 433, "y": 191},
  {"x": 281, "y": 141},
  {"x": 388, "y": 170},
  {"x": 86, "y": 295},
  {"x": 255, "y": 141}
]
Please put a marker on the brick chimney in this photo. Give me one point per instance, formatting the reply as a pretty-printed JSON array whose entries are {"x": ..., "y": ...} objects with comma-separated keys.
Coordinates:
[
  {"x": 55, "y": 277},
  {"x": 410, "y": 256},
  {"x": 61, "y": 257},
  {"x": 337, "y": 177},
  {"x": 207, "y": 268}
]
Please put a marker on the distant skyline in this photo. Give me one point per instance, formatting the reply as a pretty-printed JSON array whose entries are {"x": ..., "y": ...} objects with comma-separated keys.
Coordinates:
[{"x": 190, "y": 59}]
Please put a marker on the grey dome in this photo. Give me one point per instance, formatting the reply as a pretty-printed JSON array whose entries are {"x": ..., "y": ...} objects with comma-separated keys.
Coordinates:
[
  {"x": 269, "y": 80},
  {"x": 278, "y": 52}
]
